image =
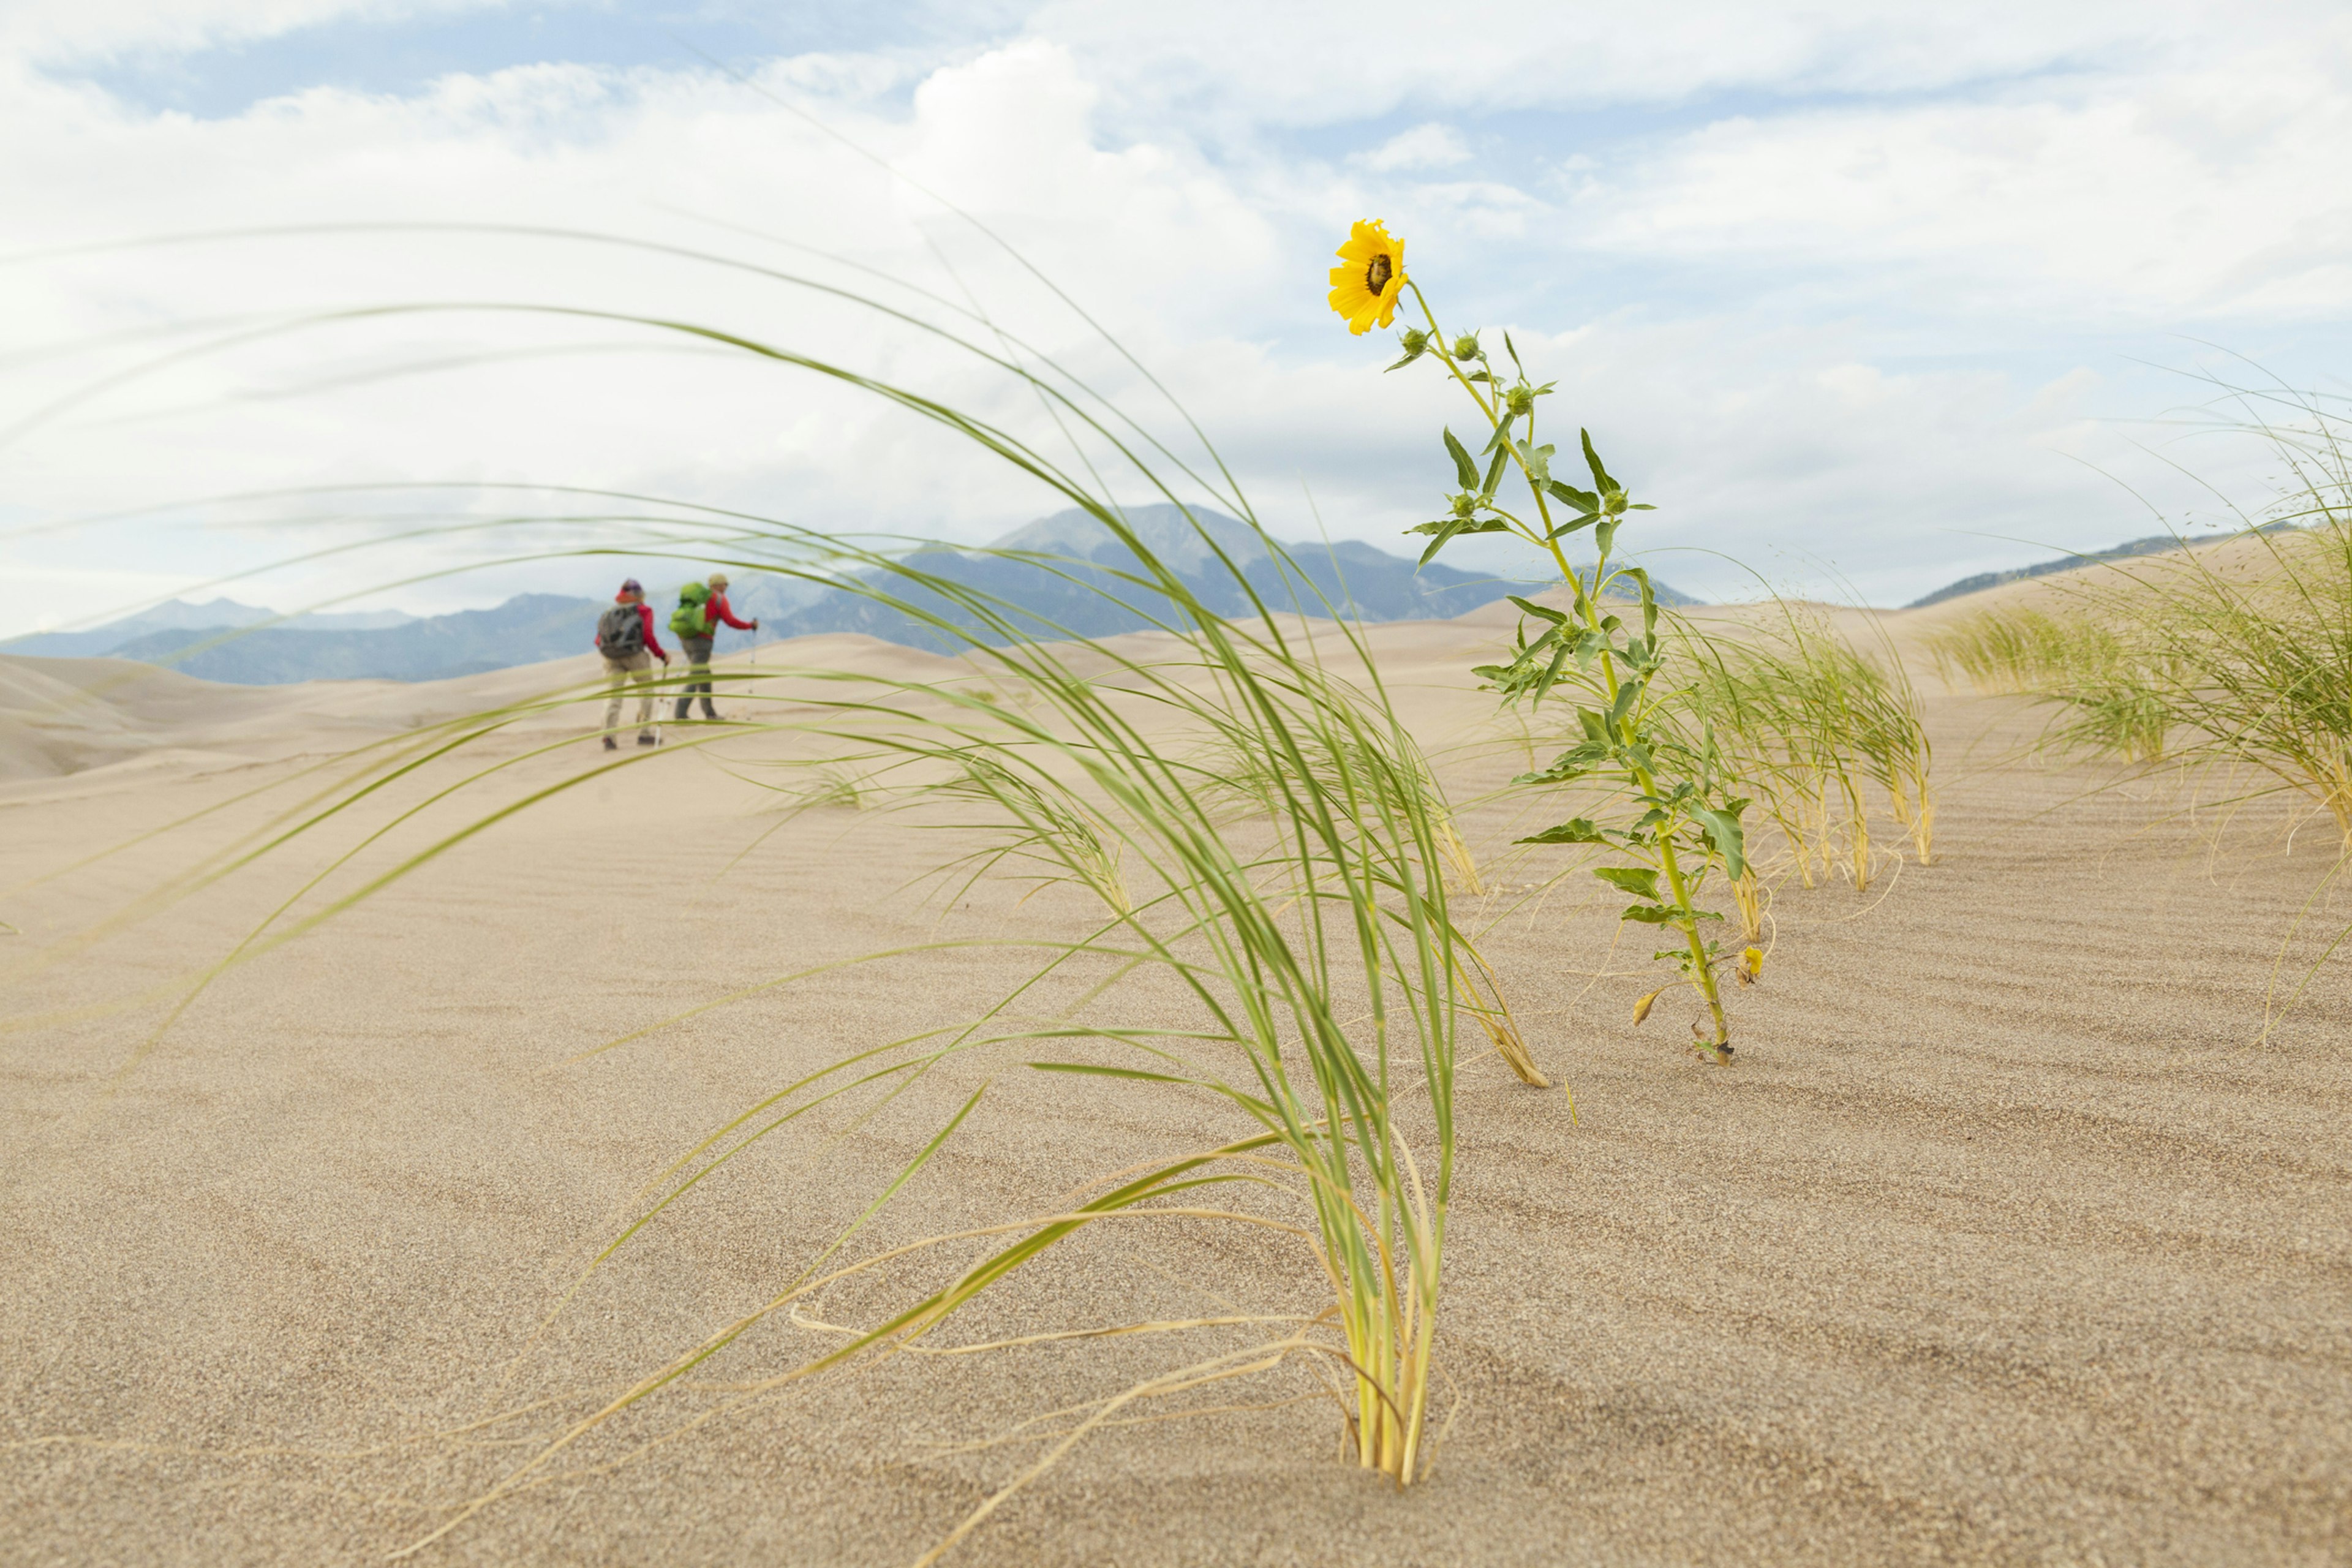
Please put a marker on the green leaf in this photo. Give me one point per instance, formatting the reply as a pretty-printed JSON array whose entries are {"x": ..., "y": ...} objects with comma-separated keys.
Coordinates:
[
  {"x": 1592, "y": 459},
  {"x": 1724, "y": 831},
  {"x": 1638, "y": 881},
  {"x": 1551, "y": 672},
  {"x": 1454, "y": 526},
  {"x": 1626, "y": 696},
  {"x": 1570, "y": 763},
  {"x": 1605, "y": 535},
  {"x": 1583, "y": 501},
  {"x": 1531, "y": 607},
  {"x": 1575, "y": 830},
  {"x": 1463, "y": 466},
  {"x": 1660, "y": 915},
  {"x": 1494, "y": 470},
  {"x": 1649, "y": 600},
  {"x": 1415, "y": 345},
  {"x": 1512, "y": 349}
]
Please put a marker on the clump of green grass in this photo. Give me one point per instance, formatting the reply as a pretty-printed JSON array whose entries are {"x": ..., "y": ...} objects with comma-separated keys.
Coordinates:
[
  {"x": 2229, "y": 659},
  {"x": 839, "y": 786},
  {"x": 1820, "y": 731},
  {"x": 1324, "y": 964},
  {"x": 2235, "y": 652},
  {"x": 2009, "y": 651},
  {"x": 1041, "y": 836},
  {"x": 1242, "y": 774},
  {"x": 1327, "y": 972},
  {"x": 2196, "y": 660},
  {"x": 2111, "y": 703},
  {"x": 2252, "y": 665},
  {"x": 1320, "y": 953}
]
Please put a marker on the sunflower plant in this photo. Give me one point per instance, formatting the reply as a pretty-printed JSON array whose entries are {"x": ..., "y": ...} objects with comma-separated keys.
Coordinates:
[{"x": 1679, "y": 821}]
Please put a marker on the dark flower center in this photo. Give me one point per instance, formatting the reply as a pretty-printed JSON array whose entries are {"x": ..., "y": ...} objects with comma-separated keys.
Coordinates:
[{"x": 1377, "y": 275}]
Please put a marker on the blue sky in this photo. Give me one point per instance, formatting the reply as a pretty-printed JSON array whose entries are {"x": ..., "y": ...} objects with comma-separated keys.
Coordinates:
[
  {"x": 1857, "y": 294},
  {"x": 401, "y": 50}
]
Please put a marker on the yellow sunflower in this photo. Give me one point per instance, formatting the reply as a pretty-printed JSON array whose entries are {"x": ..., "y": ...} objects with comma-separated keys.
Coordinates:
[{"x": 1365, "y": 290}]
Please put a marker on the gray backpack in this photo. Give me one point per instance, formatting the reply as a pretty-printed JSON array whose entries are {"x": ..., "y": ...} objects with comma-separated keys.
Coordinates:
[{"x": 621, "y": 632}]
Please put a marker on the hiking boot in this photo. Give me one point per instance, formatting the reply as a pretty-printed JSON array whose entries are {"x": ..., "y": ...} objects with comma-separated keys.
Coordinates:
[
  {"x": 610, "y": 744},
  {"x": 649, "y": 739}
]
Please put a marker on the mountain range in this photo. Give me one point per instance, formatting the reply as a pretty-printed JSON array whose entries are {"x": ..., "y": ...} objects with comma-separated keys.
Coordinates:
[
  {"x": 2154, "y": 545},
  {"x": 199, "y": 616},
  {"x": 1076, "y": 590}
]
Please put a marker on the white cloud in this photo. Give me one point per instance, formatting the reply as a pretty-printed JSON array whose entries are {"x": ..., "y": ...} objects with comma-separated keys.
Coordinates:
[
  {"x": 1148, "y": 234},
  {"x": 1836, "y": 409},
  {"x": 1427, "y": 146},
  {"x": 2204, "y": 192},
  {"x": 57, "y": 31},
  {"x": 1305, "y": 64}
]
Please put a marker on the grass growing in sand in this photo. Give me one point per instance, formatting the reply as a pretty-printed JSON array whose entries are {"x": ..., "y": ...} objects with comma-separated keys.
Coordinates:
[
  {"x": 1311, "y": 931},
  {"x": 1314, "y": 940},
  {"x": 1820, "y": 731},
  {"x": 2234, "y": 656},
  {"x": 1285, "y": 864},
  {"x": 2227, "y": 665}
]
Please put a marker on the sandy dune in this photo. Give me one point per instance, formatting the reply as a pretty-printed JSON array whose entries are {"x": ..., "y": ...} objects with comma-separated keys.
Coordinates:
[{"x": 2003, "y": 1242}]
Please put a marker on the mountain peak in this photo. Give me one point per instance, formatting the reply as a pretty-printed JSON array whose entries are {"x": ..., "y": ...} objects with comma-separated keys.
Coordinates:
[{"x": 1162, "y": 526}]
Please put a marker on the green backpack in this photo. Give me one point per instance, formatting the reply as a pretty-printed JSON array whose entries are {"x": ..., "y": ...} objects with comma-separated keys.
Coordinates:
[{"x": 692, "y": 617}]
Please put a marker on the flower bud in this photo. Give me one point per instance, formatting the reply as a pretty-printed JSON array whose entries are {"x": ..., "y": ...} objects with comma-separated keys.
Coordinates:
[
  {"x": 1466, "y": 347},
  {"x": 1520, "y": 400},
  {"x": 1415, "y": 340}
]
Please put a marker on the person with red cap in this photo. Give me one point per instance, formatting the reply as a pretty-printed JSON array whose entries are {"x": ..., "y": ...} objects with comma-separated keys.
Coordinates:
[
  {"x": 695, "y": 628},
  {"x": 624, "y": 636}
]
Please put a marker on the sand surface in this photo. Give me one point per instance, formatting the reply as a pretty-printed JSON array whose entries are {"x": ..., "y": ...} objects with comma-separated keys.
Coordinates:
[{"x": 2002, "y": 1243}]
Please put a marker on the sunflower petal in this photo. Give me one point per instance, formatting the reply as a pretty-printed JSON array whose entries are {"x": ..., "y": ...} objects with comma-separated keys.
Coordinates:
[{"x": 1351, "y": 294}]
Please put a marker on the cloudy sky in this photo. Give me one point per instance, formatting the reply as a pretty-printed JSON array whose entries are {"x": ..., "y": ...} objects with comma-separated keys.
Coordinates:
[{"x": 1874, "y": 294}]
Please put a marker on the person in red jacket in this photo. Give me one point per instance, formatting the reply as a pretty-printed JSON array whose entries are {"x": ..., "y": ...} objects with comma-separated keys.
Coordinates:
[
  {"x": 624, "y": 636},
  {"x": 715, "y": 613}
]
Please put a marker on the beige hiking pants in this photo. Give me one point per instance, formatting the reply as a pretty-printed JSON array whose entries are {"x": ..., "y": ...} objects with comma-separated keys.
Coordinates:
[{"x": 638, "y": 670}]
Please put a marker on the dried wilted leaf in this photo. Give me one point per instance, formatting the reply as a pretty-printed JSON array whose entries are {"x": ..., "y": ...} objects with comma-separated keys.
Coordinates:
[{"x": 1642, "y": 1008}]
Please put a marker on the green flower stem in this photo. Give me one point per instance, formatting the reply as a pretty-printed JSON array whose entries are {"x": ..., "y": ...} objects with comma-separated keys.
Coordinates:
[{"x": 1702, "y": 971}]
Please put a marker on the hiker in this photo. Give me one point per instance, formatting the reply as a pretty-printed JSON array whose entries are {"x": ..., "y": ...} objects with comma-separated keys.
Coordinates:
[
  {"x": 701, "y": 611},
  {"x": 624, "y": 636}
]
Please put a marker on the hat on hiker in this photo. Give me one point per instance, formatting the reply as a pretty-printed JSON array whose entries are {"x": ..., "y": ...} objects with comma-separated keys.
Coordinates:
[
  {"x": 631, "y": 585},
  {"x": 717, "y": 579}
]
